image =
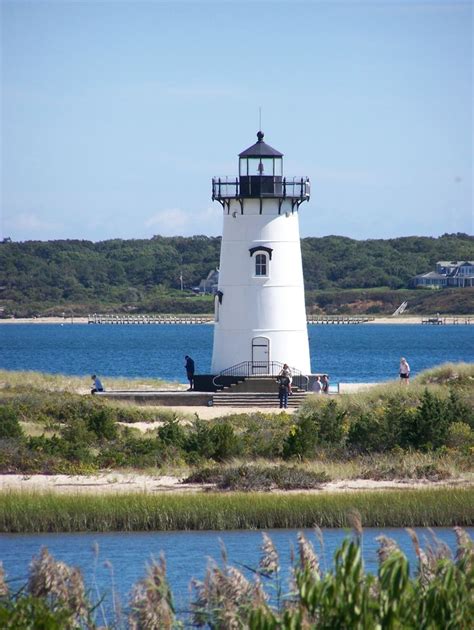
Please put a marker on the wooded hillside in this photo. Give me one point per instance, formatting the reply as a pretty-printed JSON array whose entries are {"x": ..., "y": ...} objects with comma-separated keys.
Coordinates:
[{"x": 38, "y": 277}]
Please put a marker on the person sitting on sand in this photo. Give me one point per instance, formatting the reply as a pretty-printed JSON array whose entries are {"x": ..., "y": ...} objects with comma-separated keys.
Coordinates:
[{"x": 96, "y": 384}]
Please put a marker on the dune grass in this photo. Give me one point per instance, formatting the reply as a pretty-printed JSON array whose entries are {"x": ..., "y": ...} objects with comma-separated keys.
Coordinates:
[
  {"x": 12, "y": 382},
  {"x": 48, "y": 512}
]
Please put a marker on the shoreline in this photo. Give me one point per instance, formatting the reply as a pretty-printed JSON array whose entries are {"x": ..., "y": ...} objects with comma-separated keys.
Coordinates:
[
  {"x": 403, "y": 319},
  {"x": 107, "y": 483}
]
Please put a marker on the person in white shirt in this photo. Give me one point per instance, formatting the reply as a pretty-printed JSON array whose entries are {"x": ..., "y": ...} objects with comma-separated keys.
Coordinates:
[
  {"x": 317, "y": 387},
  {"x": 404, "y": 371}
]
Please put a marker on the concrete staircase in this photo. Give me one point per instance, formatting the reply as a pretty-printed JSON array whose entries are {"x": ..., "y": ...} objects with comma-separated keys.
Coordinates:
[
  {"x": 256, "y": 391},
  {"x": 255, "y": 399}
]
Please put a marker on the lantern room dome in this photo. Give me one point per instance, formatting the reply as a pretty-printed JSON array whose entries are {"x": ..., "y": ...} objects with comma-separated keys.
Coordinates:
[{"x": 260, "y": 149}]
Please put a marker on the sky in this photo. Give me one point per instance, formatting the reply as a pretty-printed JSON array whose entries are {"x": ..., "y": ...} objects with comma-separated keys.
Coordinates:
[{"x": 116, "y": 115}]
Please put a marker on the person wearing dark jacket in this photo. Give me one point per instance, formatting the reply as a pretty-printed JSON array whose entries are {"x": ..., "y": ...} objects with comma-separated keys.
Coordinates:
[
  {"x": 283, "y": 389},
  {"x": 189, "y": 365}
]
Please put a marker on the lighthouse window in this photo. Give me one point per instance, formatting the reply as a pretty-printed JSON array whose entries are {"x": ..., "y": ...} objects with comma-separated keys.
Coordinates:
[{"x": 261, "y": 265}]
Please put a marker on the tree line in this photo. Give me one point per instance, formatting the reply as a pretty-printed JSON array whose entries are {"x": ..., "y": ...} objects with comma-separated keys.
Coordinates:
[{"x": 148, "y": 274}]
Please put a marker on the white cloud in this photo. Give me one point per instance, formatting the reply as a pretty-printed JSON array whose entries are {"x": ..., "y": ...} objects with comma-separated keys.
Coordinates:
[
  {"x": 29, "y": 222},
  {"x": 178, "y": 222}
]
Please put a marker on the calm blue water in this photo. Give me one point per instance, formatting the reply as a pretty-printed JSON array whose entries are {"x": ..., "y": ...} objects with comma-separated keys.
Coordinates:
[
  {"x": 186, "y": 553},
  {"x": 356, "y": 353}
]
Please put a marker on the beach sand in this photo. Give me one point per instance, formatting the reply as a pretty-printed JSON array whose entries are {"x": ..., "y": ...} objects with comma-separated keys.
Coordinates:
[{"x": 120, "y": 483}]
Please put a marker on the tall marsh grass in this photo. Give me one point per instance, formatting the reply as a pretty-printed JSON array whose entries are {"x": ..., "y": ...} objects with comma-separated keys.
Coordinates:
[
  {"x": 48, "y": 512},
  {"x": 436, "y": 594}
]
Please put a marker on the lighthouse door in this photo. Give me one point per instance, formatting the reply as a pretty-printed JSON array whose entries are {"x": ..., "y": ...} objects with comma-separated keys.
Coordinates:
[{"x": 260, "y": 355}]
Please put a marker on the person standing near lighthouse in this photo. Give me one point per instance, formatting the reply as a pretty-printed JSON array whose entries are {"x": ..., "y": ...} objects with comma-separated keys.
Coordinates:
[{"x": 260, "y": 315}]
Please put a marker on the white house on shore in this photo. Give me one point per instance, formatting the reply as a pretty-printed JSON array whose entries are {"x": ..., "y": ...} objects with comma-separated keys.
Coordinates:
[{"x": 453, "y": 273}]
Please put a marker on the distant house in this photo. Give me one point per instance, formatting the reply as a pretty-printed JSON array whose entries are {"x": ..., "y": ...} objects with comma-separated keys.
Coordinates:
[
  {"x": 452, "y": 273},
  {"x": 209, "y": 284}
]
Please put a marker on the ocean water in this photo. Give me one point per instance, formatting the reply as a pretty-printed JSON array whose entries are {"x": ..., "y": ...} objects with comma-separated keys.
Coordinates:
[
  {"x": 349, "y": 353},
  {"x": 186, "y": 554}
]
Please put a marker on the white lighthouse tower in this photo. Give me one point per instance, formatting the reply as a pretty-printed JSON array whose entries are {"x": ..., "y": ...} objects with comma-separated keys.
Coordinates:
[{"x": 260, "y": 316}]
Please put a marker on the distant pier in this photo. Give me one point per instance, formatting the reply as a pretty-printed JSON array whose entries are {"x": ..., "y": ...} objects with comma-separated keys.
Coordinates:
[
  {"x": 339, "y": 319},
  {"x": 97, "y": 318},
  {"x": 149, "y": 319},
  {"x": 439, "y": 321}
]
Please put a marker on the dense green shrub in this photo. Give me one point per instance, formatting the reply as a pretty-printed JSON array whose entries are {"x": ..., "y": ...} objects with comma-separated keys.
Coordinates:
[
  {"x": 133, "y": 452},
  {"x": 213, "y": 440},
  {"x": 460, "y": 436},
  {"x": 257, "y": 478},
  {"x": 171, "y": 433},
  {"x": 102, "y": 422},
  {"x": 302, "y": 438},
  {"x": 365, "y": 432},
  {"x": 9, "y": 423},
  {"x": 316, "y": 425}
]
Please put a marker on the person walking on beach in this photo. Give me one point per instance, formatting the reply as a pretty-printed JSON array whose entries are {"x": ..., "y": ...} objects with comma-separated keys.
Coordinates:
[
  {"x": 404, "y": 371},
  {"x": 283, "y": 389},
  {"x": 285, "y": 371},
  {"x": 189, "y": 365},
  {"x": 96, "y": 384}
]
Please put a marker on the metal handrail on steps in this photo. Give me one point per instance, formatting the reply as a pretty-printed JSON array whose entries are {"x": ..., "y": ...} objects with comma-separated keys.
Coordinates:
[{"x": 247, "y": 369}]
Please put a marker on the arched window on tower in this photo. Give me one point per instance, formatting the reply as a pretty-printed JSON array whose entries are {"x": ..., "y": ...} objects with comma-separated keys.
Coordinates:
[
  {"x": 261, "y": 265},
  {"x": 262, "y": 257}
]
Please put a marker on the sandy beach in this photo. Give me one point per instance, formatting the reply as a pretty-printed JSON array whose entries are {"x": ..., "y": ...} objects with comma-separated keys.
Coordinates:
[{"x": 120, "y": 483}]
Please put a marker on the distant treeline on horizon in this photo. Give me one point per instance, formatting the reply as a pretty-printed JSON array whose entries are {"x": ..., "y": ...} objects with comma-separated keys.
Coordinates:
[{"x": 147, "y": 274}]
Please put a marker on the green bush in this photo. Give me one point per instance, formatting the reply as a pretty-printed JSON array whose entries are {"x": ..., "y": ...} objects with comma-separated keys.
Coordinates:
[
  {"x": 258, "y": 478},
  {"x": 216, "y": 441},
  {"x": 101, "y": 421},
  {"x": 26, "y": 612},
  {"x": 131, "y": 451},
  {"x": 316, "y": 425},
  {"x": 331, "y": 424},
  {"x": 364, "y": 433},
  {"x": 171, "y": 433},
  {"x": 226, "y": 443},
  {"x": 460, "y": 436},
  {"x": 9, "y": 423},
  {"x": 302, "y": 438}
]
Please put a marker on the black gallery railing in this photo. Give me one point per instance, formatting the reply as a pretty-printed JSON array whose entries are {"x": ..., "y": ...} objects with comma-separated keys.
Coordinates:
[{"x": 261, "y": 186}]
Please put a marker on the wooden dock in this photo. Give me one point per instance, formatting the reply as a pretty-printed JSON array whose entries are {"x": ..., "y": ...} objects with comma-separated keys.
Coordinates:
[
  {"x": 339, "y": 319},
  {"x": 440, "y": 321},
  {"x": 149, "y": 319},
  {"x": 98, "y": 318}
]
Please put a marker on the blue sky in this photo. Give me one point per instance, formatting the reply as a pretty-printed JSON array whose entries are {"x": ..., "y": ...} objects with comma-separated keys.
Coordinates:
[{"x": 116, "y": 115}]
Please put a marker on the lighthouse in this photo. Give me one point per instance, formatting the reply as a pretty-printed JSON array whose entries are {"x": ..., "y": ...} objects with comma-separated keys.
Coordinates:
[{"x": 260, "y": 315}]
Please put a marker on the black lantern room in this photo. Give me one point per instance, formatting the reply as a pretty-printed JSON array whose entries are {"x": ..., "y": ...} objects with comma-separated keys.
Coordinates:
[
  {"x": 260, "y": 176},
  {"x": 260, "y": 170}
]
